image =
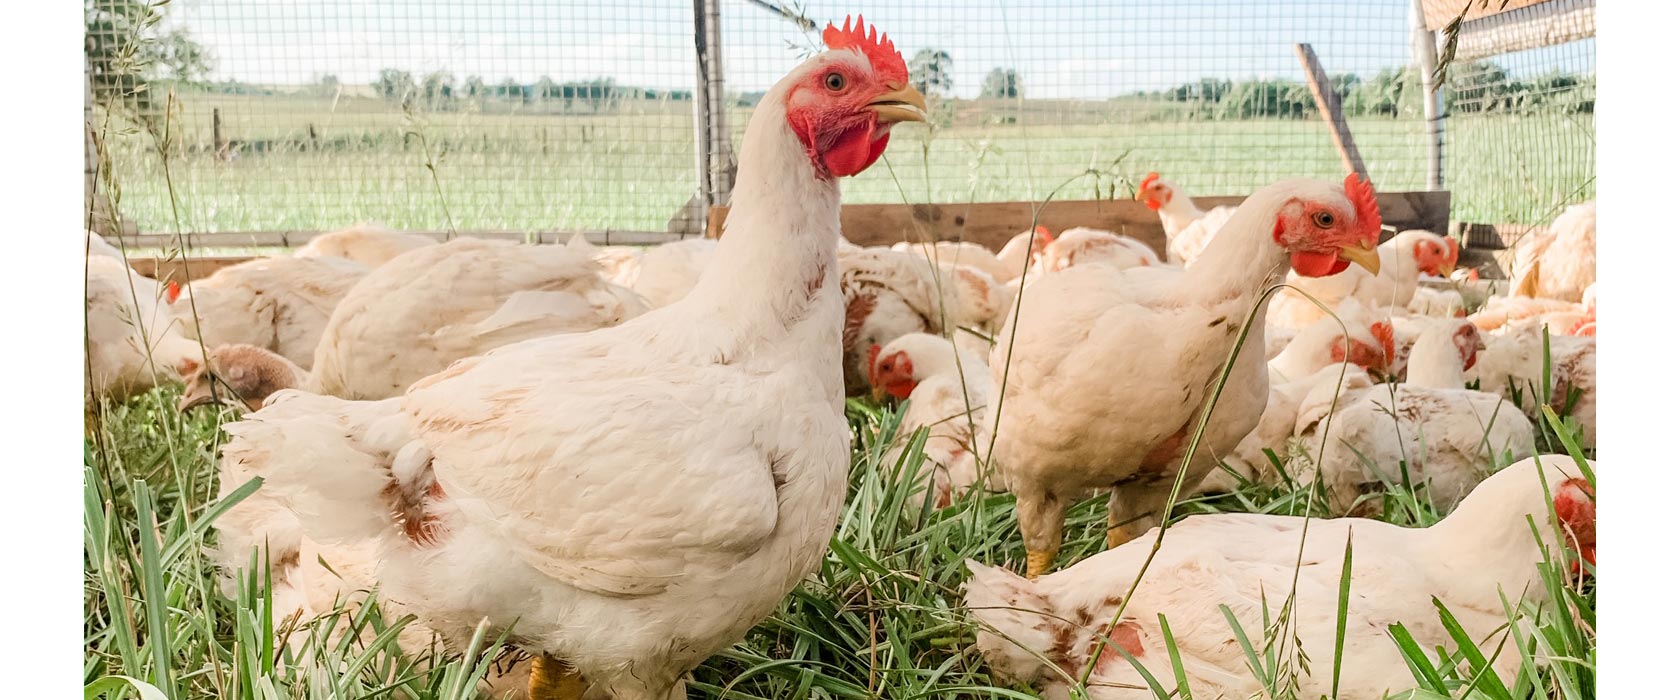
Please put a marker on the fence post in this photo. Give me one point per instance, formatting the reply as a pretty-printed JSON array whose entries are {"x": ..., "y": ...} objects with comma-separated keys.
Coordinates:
[{"x": 1434, "y": 119}]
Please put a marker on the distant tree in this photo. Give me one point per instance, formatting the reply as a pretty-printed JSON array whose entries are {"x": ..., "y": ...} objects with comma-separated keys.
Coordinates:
[
  {"x": 438, "y": 89},
  {"x": 129, "y": 46},
  {"x": 393, "y": 84},
  {"x": 547, "y": 89},
  {"x": 474, "y": 88},
  {"x": 930, "y": 71},
  {"x": 1001, "y": 82}
]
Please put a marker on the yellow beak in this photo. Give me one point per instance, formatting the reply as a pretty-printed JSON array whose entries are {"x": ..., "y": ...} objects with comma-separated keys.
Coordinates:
[
  {"x": 905, "y": 104},
  {"x": 1363, "y": 257},
  {"x": 878, "y": 393}
]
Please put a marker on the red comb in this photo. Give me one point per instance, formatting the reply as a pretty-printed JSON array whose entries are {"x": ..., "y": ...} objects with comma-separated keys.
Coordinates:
[
  {"x": 1384, "y": 331},
  {"x": 1148, "y": 180},
  {"x": 1364, "y": 205},
  {"x": 876, "y": 47},
  {"x": 173, "y": 291}
]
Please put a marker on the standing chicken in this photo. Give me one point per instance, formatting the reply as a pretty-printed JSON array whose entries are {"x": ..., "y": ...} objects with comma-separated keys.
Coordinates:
[
  {"x": 1562, "y": 261},
  {"x": 947, "y": 390},
  {"x": 281, "y": 303},
  {"x": 1478, "y": 562},
  {"x": 1188, "y": 228},
  {"x": 625, "y": 502},
  {"x": 1158, "y": 338},
  {"x": 368, "y": 244}
]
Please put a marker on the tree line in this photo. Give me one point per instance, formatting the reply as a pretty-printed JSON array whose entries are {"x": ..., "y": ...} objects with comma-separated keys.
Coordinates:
[
  {"x": 1476, "y": 87},
  {"x": 439, "y": 90}
]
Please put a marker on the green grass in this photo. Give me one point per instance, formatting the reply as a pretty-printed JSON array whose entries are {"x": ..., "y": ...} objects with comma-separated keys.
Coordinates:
[
  {"x": 880, "y": 619},
  {"x": 516, "y": 167}
]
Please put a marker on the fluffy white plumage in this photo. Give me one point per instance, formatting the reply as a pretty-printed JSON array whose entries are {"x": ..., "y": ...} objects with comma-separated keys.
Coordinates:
[
  {"x": 280, "y": 304},
  {"x": 1513, "y": 365},
  {"x": 519, "y": 478},
  {"x": 1165, "y": 333},
  {"x": 1468, "y": 560},
  {"x": 1188, "y": 228},
  {"x": 371, "y": 245},
  {"x": 133, "y": 342},
  {"x": 1561, "y": 262},
  {"x": 661, "y": 274},
  {"x": 437, "y": 304},
  {"x": 890, "y": 294},
  {"x": 947, "y": 393},
  {"x": 1368, "y": 342},
  {"x": 1088, "y": 246}
]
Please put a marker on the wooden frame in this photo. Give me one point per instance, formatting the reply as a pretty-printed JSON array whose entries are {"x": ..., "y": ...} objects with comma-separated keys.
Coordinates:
[
  {"x": 991, "y": 224},
  {"x": 1437, "y": 14}
]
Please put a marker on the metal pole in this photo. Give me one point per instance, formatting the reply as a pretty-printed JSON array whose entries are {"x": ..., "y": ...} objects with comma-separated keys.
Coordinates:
[
  {"x": 702, "y": 111},
  {"x": 722, "y": 159},
  {"x": 1434, "y": 112}
]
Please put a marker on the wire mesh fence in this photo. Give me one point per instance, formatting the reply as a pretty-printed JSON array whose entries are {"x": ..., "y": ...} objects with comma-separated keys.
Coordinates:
[{"x": 241, "y": 115}]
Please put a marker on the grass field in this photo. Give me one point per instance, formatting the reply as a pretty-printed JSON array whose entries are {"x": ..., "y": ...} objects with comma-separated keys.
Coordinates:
[
  {"x": 305, "y": 162},
  {"x": 880, "y": 619}
]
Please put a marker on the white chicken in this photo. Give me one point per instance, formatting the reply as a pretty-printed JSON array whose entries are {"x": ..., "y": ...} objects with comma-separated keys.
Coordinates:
[
  {"x": 532, "y": 463},
  {"x": 1367, "y": 342},
  {"x": 946, "y": 253},
  {"x": 425, "y": 309},
  {"x": 1165, "y": 333},
  {"x": 281, "y": 303},
  {"x": 1442, "y": 439},
  {"x": 890, "y": 294},
  {"x": 370, "y": 245},
  {"x": 244, "y": 373},
  {"x": 661, "y": 274},
  {"x": 1437, "y": 302},
  {"x": 1513, "y": 366},
  {"x": 132, "y": 341},
  {"x": 1021, "y": 252},
  {"x": 1473, "y": 561},
  {"x": 1085, "y": 246},
  {"x": 1403, "y": 258},
  {"x": 947, "y": 390},
  {"x": 1562, "y": 261},
  {"x": 1188, "y": 228}
]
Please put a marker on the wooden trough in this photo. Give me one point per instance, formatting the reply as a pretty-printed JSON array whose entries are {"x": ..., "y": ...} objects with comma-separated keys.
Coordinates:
[{"x": 992, "y": 224}]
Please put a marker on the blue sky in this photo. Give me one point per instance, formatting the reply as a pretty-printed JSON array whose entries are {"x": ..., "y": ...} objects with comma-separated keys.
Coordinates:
[{"x": 1062, "y": 48}]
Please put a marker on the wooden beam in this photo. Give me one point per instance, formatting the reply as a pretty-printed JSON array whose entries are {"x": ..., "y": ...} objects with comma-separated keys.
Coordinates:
[
  {"x": 1330, "y": 105},
  {"x": 992, "y": 224},
  {"x": 295, "y": 239},
  {"x": 1530, "y": 27},
  {"x": 174, "y": 268},
  {"x": 1437, "y": 14}
]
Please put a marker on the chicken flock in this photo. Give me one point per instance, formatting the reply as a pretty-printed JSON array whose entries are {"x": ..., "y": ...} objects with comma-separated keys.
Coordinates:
[{"x": 591, "y": 449}]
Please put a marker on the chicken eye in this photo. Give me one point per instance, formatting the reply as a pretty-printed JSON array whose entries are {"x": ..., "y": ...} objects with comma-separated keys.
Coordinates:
[
  {"x": 1323, "y": 219},
  {"x": 835, "y": 81}
]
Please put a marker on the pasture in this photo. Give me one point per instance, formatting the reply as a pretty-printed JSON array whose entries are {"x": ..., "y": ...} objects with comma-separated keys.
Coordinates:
[{"x": 314, "y": 162}]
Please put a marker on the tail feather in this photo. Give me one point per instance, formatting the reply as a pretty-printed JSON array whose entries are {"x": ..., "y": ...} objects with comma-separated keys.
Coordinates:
[
  {"x": 327, "y": 460},
  {"x": 1018, "y": 632}
]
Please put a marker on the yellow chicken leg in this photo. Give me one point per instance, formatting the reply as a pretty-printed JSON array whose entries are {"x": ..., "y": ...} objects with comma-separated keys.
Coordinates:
[
  {"x": 1039, "y": 562},
  {"x": 553, "y": 679}
]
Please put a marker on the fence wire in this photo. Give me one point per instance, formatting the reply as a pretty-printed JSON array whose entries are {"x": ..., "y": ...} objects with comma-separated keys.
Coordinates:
[{"x": 566, "y": 114}]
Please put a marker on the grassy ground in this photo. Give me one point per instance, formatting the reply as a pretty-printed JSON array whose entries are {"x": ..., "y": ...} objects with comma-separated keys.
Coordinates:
[
  {"x": 307, "y": 162},
  {"x": 881, "y": 619}
]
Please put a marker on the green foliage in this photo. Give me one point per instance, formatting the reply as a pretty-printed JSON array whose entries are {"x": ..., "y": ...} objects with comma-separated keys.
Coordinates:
[
  {"x": 930, "y": 71},
  {"x": 1002, "y": 83}
]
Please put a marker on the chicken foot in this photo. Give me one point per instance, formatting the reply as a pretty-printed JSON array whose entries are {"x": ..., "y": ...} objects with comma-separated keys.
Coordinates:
[
  {"x": 1042, "y": 517},
  {"x": 553, "y": 679}
]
